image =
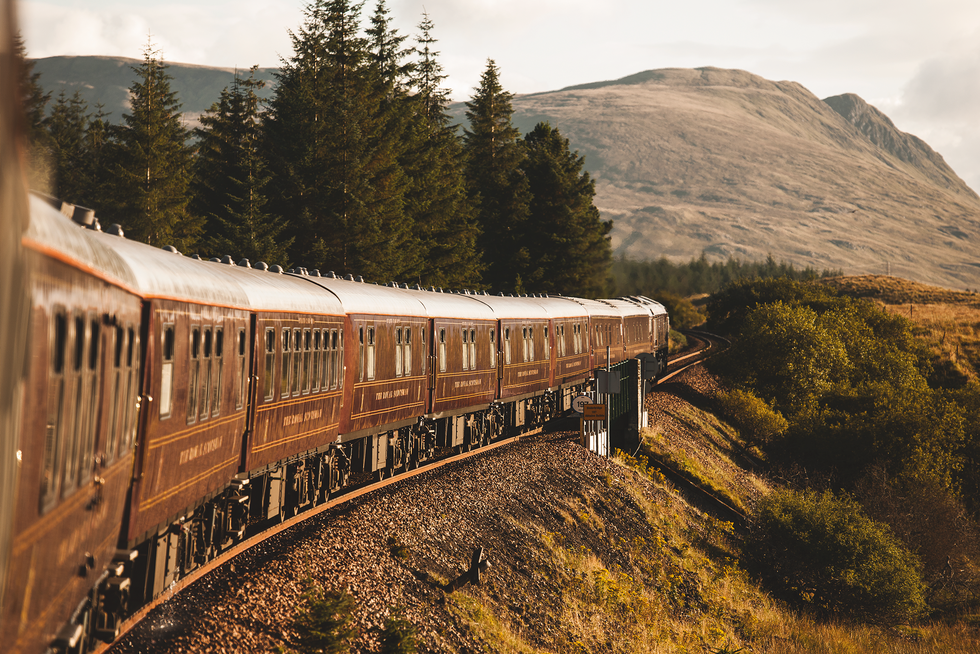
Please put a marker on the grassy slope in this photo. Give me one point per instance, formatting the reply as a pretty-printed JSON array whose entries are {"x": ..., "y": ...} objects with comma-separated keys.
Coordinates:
[
  {"x": 947, "y": 321},
  {"x": 674, "y": 582}
]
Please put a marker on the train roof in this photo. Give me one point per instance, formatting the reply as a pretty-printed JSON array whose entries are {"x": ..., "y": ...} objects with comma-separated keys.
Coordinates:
[
  {"x": 55, "y": 234},
  {"x": 600, "y": 308},
  {"x": 506, "y": 307},
  {"x": 161, "y": 274},
  {"x": 628, "y": 307},
  {"x": 370, "y": 299},
  {"x": 562, "y": 307},
  {"x": 653, "y": 306},
  {"x": 452, "y": 305}
]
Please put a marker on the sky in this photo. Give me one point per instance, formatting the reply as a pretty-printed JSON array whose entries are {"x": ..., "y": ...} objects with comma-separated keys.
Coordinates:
[{"x": 916, "y": 60}]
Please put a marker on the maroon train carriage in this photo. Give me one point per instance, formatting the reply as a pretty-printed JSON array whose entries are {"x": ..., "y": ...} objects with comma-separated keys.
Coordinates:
[
  {"x": 384, "y": 383},
  {"x": 462, "y": 375},
  {"x": 76, "y": 443},
  {"x": 571, "y": 359},
  {"x": 605, "y": 330},
  {"x": 659, "y": 333},
  {"x": 195, "y": 322},
  {"x": 296, "y": 400},
  {"x": 635, "y": 327}
]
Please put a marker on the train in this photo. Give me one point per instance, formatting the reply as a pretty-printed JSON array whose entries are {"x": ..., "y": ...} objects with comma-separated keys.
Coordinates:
[{"x": 173, "y": 405}]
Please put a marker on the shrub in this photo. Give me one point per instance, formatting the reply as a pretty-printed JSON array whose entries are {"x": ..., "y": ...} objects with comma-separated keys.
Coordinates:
[
  {"x": 398, "y": 636},
  {"x": 324, "y": 623},
  {"x": 823, "y": 550},
  {"x": 756, "y": 421}
]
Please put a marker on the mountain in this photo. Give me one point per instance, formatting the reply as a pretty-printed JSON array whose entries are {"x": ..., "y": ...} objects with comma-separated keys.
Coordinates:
[
  {"x": 107, "y": 80},
  {"x": 730, "y": 164},
  {"x": 709, "y": 160}
]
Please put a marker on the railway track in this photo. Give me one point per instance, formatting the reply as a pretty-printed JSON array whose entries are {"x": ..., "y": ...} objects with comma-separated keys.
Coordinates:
[{"x": 709, "y": 344}]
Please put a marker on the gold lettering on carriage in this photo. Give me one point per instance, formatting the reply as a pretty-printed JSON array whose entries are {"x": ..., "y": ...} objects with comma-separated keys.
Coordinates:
[
  {"x": 573, "y": 364},
  {"x": 200, "y": 449},
  {"x": 387, "y": 395},
  {"x": 467, "y": 383},
  {"x": 297, "y": 418},
  {"x": 527, "y": 373}
]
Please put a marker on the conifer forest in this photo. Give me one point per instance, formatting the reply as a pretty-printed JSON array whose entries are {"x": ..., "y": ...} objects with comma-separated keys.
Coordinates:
[{"x": 354, "y": 165}]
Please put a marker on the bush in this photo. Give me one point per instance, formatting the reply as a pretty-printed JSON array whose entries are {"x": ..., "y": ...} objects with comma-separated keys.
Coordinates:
[
  {"x": 324, "y": 623},
  {"x": 757, "y": 422},
  {"x": 398, "y": 636},
  {"x": 823, "y": 550}
]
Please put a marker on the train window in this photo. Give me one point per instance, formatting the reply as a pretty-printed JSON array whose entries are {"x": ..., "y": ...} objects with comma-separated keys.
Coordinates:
[
  {"x": 270, "y": 364},
  {"x": 547, "y": 345},
  {"x": 74, "y": 419},
  {"x": 442, "y": 350},
  {"x": 131, "y": 397},
  {"x": 507, "y": 346},
  {"x": 219, "y": 346},
  {"x": 112, "y": 432},
  {"x": 524, "y": 343},
  {"x": 194, "y": 373},
  {"x": 167, "y": 372},
  {"x": 560, "y": 340},
  {"x": 370, "y": 354},
  {"x": 92, "y": 382},
  {"x": 284, "y": 364},
  {"x": 329, "y": 344},
  {"x": 297, "y": 361},
  {"x": 206, "y": 370},
  {"x": 530, "y": 342},
  {"x": 56, "y": 396},
  {"x": 360, "y": 354},
  {"x": 242, "y": 371},
  {"x": 408, "y": 351},
  {"x": 493, "y": 349},
  {"x": 316, "y": 362},
  {"x": 472, "y": 349},
  {"x": 337, "y": 379},
  {"x": 398, "y": 352},
  {"x": 307, "y": 354},
  {"x": 466, "y": 350}
]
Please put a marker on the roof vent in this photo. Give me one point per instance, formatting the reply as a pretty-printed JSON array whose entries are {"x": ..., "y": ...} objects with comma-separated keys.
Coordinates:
[
  {"x": 116, "y": 229},
  {"x": 245, "y": 263},
  {"x": 417, "y": 287},
  {"x": 83, "y": 216},
  {"x": 170, "y": 248},
  {"x": 331, "y": 275},
  {"x": 196, "y": 257},
  {"x": 360, "y": 279},
  {"x": 94, "y": 226},
  {"x": 228, "y": 260},
  {"x": 349, "y": 277},
  {"x": 315, "y": 272},
  {"x": 214, "y": 260},
  {"x": 276, "y": 269},
  {"x": 261, "y": 265}
]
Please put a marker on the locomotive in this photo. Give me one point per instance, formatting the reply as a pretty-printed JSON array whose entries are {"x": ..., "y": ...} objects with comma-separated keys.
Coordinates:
[{"x": 173, "y": 405}]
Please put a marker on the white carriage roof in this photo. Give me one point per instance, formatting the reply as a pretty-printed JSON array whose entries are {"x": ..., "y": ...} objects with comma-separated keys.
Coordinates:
[
  {"x": 362, "y": 298},
  {"x": 506, "y": 307},
  {"x": 56, "y": 235},
  {"x": 629, "y": 308}
]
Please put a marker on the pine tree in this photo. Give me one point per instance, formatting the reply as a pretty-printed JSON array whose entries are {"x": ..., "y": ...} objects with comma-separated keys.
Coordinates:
[
  {"x": 40, "y": 169},
  {"x": 231, "y": 177},
  {"x": 497, "y": 184},
  {"x": 336, "y": 165},
  {"x": 152, "y": 162},
  {"x": 567, "y": 239},
  {"x": 67, "y": 128},
  {"x": 437, "y": 200},
  {"x": 98, "y": 146}
]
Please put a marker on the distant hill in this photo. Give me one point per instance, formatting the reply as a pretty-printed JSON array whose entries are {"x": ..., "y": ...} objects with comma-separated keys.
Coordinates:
[
  {"x": 107, "y": 80},
  {"x": 731, "y": 164},
  {"x": 710, "y": 160}
]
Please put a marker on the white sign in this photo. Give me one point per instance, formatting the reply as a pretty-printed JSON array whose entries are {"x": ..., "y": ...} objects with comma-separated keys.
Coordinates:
[{"x": 579, "y": 403}]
